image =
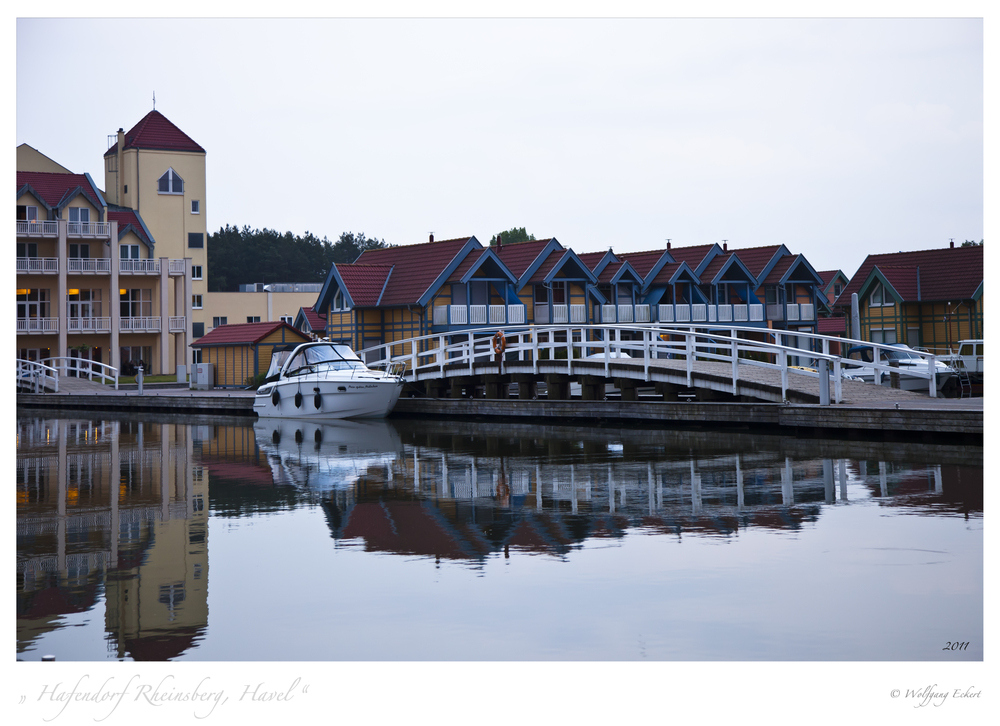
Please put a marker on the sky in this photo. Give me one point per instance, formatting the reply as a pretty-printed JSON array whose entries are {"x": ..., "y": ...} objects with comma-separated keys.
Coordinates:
[{"x": 836, "y": 137}]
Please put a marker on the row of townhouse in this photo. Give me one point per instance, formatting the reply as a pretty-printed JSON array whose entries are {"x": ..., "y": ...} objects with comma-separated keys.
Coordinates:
[{"x": 455, "y": 285}]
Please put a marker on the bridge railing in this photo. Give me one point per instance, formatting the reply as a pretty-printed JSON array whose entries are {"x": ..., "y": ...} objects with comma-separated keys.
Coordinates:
[
  {"x": 735, "y": 345},
  {"x": 37, "y": 376},
  {"x": 430, "y": 355},
  {"x": 83, "y": 368}
]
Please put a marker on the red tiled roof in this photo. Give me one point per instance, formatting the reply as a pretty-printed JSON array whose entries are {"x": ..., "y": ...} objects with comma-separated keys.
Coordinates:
[
  {"x": 53, "y": 187},
  {"x": 417, "y": 266},
  {"x": 466, "y": 264},
  {"x": 244, "y": 334},
  {"x": 590, "y": 259},
  {"x": 551, "y": 261},
  {"x": 756, "y": 258},
  {"x": 827, "y": 276},
  {"x": 126, "y": 217},
  {"x": 316, "y": 320},
  {"x": 830, "y": 326},
  {"x": 691, "y": 255},
  {"x": 714, "y": 266},
  {"x": 364, "y": 282},
  {"x": 779, "y": 269},
  {"x": 519, "y": 256},
  {"x": 642, "y": 262},
  {"x": 610, "y": 271},
  {"x": 155, "y": 131},
  {"x": 944, "y": 274}
]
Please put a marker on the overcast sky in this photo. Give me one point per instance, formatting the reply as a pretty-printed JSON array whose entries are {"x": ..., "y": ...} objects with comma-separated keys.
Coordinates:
[{"x": 835, "y": 137}]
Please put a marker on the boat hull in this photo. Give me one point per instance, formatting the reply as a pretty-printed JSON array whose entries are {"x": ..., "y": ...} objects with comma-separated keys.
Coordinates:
[{"x": 328, "y": 399}]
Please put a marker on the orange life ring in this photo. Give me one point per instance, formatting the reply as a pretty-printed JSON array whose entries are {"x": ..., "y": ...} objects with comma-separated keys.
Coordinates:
[{"x": 499, "y": 343}]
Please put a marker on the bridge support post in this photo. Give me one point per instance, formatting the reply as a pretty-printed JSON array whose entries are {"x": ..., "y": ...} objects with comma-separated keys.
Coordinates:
[
  {"x": 527, "y": 388},
  {"x": 591, "y": 388},
  {"x": 557, "y": 387},
  {"x": 628, "y": 388},
  {"x": 497, "y": 386}
]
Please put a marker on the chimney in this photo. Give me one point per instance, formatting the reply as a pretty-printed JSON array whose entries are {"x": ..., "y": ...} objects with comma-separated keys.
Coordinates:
[
  {"x": 725, "y": 247},
  {"x": 668, "y": 244},
  {"x": 499, "y": 241},
  {"x": 953, "y": 244},
  {"x": 432, "y": 237}
]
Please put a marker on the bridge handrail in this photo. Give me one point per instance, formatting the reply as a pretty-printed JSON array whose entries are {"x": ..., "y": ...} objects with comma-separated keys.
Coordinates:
[
  {"x": 524, "y": 340},
  {"x": 37, "y": 372},
  {"x": 90, "y": 368}
]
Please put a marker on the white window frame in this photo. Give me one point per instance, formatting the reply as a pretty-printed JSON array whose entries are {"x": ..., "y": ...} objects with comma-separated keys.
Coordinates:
[
  {"x": 196, "y": 302},
  {"x": 288, "y": 319},
  {"x": 879, "y": 333},
  {"x": 195, "y": 272},
  {"x": 219, "y": 320},
  {"x": 253, "y": 318},
  {"x": 195, "y": 206},
  {"x": 131, "y": 248},
  {"x": 339, "y": 302},
  {"x": 174, "y": 180},
  {"x": 883, "y": 295}
]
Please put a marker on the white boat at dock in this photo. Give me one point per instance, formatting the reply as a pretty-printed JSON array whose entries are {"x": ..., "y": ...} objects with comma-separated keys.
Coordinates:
[{"x": 323, "y": 380}]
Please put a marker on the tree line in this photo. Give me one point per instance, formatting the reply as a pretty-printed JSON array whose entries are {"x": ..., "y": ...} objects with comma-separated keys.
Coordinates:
[{"x": 238, "y": 256}]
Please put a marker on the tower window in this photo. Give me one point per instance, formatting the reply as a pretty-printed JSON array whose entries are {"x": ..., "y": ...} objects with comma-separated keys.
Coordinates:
[{"x": 171, "y": 183}]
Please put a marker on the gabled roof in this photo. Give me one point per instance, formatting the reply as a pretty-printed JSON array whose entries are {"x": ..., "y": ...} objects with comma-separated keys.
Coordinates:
[
  {"x": 616, "y": 272},
  {"x": 672, "y": 273},
  {"x": 362, "y": 284},
  {"x": 949, "y": 274},
  {"x": 56, "y": 191},
  {"x": 420, "y": 269},
  {"x": 597, "y": 261},
  {"x": 129, "y": 220},
  {"x": 759, "y": 260},
  {"x": 559, "y": 262},
  {"x": 790, "y": 268},
  {"x": 829, "y": 276},
  {"x": 244, "y": 334},
  {"x": 695, "y": 256},
  {"x": 475, "y": 261},
  {"x": 310, "y": 317},
  {"x": 721, "y": 268},
  {"x": 523, "y": 258},
  {"x": 155, "y": 131}
]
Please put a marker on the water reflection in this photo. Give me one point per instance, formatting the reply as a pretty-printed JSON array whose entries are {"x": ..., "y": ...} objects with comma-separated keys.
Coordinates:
[{"x": 115, "y": 511}]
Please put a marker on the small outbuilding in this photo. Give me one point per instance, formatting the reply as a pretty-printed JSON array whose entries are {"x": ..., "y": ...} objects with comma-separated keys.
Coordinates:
[{"x": 239, "y": 352}]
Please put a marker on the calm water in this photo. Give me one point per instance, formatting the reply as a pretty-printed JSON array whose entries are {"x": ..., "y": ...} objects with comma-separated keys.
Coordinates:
[{"x": 172, "y": 538}]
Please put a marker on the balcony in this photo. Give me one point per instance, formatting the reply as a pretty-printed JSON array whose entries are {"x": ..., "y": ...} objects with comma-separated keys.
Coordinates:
[
  {"x": 89, "y": 265},
  {"x": 139, "y": 325},
  {"x": 478, "y": 314},
  {"x": 177, "y": 324},
  {"x": 88, "y": 229},
  {"x": 702, "y": 313},
  {"x": 175, "y": 267},
  {"x": 576, "y": 314},
  {"x": 139, "y": 267},
  {"x": 88, "y": 325},
  {"x": 37, "y": 228},
  {"x": 37, "y": 265},
  {"x": 792, "y": 313},
  {"x": 38, "y": 325}
]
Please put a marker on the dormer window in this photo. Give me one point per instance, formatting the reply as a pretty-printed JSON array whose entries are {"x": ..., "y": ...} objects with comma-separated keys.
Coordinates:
[{"x": 171, "y": 183}]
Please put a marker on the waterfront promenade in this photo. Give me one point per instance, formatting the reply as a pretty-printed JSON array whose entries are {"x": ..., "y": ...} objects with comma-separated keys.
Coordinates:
[{"x": 868, "y": 411}]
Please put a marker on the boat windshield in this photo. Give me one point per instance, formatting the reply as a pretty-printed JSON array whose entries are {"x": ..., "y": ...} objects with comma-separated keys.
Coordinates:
[
  {"x": 324, "y": 357},
  {"x": 278, "y": 359},
  {"x": 898, "y": 354}
]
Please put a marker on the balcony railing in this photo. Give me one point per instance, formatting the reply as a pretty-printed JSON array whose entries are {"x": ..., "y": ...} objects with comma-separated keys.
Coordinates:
[
  {"x": 139, "y": 325},
  {"x": 177, "y": 323},
  {"x": 89, "y": 229},
  {"x": 139, "y": 267},
  {"x": 792, "y": 312},
  {"x": 37, "y": 264},
  {"x": 88, "y": 264},
  {"x": 37, "y": 228},
  {"x": 175, "y": 267},
  {"x": 88, "y": 325},
  {"x": 38, "y": 325},
  {"x": 478, "y": 314},
  {"x": 698, "y": 313}
]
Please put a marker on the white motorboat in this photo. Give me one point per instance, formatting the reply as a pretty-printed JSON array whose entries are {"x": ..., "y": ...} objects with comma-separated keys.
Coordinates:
[
  {"x": 325, "y": 380},
  {"x": 913, "y": 369}
]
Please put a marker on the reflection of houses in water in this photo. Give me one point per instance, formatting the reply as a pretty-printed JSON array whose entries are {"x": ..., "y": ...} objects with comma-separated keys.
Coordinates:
[
  {"x": 114, "y": 504},
  {"x": 933, "y": 488}
]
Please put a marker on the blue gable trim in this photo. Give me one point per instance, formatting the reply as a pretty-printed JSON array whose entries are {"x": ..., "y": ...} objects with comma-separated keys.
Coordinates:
[
  {"x": 471, "y": 244},
  {"x": 570, "y": 256},
  {"x": 799, "y": 262},
  {"x": 712, "y": 253},
  {"x": 665, "y": 259},
  {"x": 626, "y": 269},
  {"x": 781, "y": 252},
  {"x": 608, "y": 258},
  {"x": 332, "y": 283},
  {"x": 733, "y": 260},
  {"x": 488, "y": 255},
  {"x": 549, "y": 248}
]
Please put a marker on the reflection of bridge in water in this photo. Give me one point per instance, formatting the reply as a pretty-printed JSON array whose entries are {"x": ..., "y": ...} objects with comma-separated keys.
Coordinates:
[{"x": 551, "y": 489}]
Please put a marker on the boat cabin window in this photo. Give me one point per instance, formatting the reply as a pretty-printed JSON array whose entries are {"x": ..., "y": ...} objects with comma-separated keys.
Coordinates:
[
  {"x": 861, "y": 354},
  {"x": 328, "y": 357}
]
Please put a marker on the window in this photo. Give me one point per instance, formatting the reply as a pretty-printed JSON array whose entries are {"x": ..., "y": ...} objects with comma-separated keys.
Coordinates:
[
  {"x": 196, "y": 302},
  {"x": 195, "y": 206},
  {"x": 128, "y": 252},
  {"x": 79, "y": 220},
  {"x": 253, "y": 318},
  {"x": 837, "y": 289},
  {"x": 79, "y": 252},
  {"x": 339, "y": 301},
  {"x": 219, "y": 320},
  {"x": 541, "y": 294},
  {"x": 288, "y": 319},
  {"x": 196, "y": 354},
  {"x": 136, "y": 303},
  {"x": 195, "y": 272},
  {"x": 196, "y": 240},
  {"x": 27, "y": 249},
  {"x": 197, "y": 331},
  {"x": 879, "y": 296},
  {"x": 27, "y": 213},
  {"x": 171, "y": 183},
  {"x": 886, "y": 336}
]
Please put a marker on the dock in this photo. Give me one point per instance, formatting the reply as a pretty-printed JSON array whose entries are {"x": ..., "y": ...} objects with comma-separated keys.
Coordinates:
[{"x": 912, "y": 417}]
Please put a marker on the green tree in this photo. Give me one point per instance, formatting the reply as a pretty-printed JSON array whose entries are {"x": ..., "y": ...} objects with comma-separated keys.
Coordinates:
[
  {"x": 972, "y": 243},
  {"x": 512, "y": 235}
]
